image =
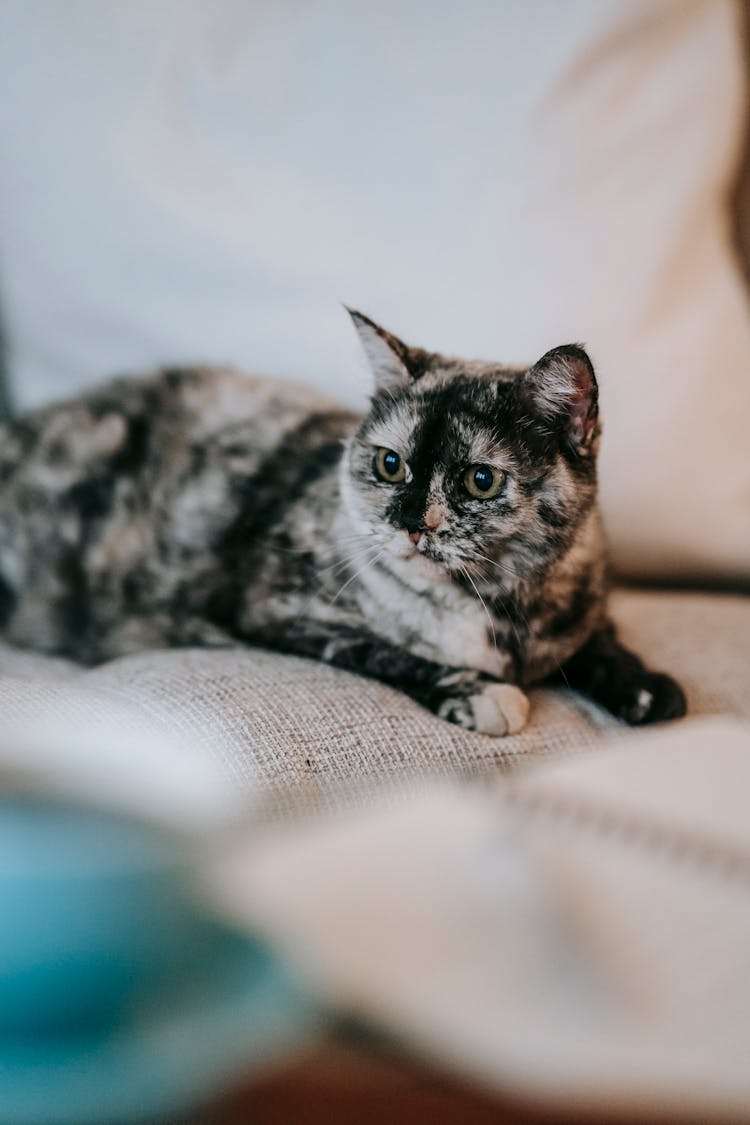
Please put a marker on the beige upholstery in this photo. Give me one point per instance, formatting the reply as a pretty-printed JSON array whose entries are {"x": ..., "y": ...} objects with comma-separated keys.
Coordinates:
[{"x": 303, "y": 733}]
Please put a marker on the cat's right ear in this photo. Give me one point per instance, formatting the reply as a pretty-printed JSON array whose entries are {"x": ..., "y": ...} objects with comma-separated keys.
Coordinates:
[
  {"x": 562, "y": 389},
  {"x": 391, "y": 361}
]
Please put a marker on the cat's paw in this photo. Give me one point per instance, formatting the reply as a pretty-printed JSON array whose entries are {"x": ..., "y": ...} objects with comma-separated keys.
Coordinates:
[
  {"x": 496, "y": 710},
  {"x": 651, "y": 698}
]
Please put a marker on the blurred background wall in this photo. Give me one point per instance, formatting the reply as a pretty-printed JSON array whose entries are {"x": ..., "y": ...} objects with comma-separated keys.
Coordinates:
[{"x": 188, "y": 181}]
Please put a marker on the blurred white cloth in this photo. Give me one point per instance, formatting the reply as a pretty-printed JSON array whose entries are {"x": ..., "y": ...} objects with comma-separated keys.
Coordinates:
[
  {"x": 207, "y": 179},
  {"x": 70, "y": 740},
  {"x": 578, "y": 936}
]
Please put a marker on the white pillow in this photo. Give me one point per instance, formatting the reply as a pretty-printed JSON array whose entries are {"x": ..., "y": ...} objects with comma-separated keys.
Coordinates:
[{"x": 189, "y": 181}]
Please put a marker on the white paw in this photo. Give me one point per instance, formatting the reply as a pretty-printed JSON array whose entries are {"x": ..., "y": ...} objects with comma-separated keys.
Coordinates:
[{"x": 499, "y": 710}]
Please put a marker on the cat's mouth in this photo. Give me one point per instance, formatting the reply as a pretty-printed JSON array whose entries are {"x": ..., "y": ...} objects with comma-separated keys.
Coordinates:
[
  {"x": 417, "y": 569},
  {"x": 428, "y": 560},
  {"x": 423, "y": 552}
]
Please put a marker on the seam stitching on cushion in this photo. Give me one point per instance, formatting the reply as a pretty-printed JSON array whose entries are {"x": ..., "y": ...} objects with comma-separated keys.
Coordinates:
[{"x": 712, "y": 857}]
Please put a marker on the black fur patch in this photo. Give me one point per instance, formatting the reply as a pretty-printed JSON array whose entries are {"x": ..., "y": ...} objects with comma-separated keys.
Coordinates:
[
  {"x": 92, "y": 497},
  {"x": 8, "y": 602},
  {"x": 74, "y": 607},
  {"x": 551, "y": 516},
  {"x": 133, "y": 454},
  {"x": 617, "y": 679},
  {"x": 261, "y": 502}
]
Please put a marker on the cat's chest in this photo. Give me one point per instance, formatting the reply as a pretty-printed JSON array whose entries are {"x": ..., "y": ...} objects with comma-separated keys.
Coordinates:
[{"x": 444, "y": 625}]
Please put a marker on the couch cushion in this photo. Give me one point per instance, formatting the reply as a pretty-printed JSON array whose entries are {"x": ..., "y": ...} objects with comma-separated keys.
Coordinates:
[{"x": 305, "y": 734}]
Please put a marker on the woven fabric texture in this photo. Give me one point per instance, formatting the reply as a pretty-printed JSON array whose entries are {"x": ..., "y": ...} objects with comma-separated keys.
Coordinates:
[{"x": 300, "y": 734}]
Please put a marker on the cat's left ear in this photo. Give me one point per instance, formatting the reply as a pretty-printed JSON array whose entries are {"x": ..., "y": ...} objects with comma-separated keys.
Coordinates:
[
  {"x": 393, "y": 363},
  {"x": 561, "y": 388}
]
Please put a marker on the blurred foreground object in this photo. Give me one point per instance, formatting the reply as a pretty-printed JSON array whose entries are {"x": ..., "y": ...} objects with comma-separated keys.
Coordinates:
[
  {"x": 578, "y": 937},
  {"x": 122, "y": 997}
]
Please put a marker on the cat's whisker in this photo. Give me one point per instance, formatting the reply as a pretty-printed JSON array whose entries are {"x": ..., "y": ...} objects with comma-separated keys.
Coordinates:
[
  {"x": 500, "y": 566},
  {"x": 333, "y": 567},
  {"x": 484, "y": 605},
  {"x": 347, "y": 558},
  {"x": 340, "y": 540},
  {"x": 357, "y": 574},
  {"x": 355, "y": 535},
  {"x": 522, "y": 615},
  {"x": 506, "y": 569}
]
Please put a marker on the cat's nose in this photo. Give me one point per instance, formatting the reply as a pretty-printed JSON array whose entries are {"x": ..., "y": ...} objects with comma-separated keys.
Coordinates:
[{"x": 414, "y": 529}]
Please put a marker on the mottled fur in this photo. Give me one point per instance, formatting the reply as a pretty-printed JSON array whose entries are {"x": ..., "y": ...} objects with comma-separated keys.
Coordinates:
[{"x": 200, "y": 507}]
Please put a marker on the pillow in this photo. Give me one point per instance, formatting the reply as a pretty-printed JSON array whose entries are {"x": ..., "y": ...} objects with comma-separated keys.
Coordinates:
[{"x": 186, "y": 182}]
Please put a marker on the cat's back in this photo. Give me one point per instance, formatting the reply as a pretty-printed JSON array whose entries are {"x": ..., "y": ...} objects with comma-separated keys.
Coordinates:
[
  {"x": 132, "y": 480},
  {"x": 131, "y": 415}
]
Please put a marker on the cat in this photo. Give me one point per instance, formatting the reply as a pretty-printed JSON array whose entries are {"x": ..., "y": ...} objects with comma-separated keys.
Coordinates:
[{"x": 448, "y": 542}]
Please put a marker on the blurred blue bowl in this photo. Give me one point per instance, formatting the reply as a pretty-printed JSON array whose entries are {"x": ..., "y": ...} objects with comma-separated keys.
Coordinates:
[
  {"x": 92, "y": 909},
  {"x": 120, "y": 997}
]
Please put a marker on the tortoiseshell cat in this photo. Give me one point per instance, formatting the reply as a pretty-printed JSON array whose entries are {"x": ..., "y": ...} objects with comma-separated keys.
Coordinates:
[{"x": 447, "y": 543}]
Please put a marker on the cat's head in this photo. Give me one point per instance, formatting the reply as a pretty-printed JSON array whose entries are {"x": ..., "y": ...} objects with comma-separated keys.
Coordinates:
[{"x": 467, "y": 466}]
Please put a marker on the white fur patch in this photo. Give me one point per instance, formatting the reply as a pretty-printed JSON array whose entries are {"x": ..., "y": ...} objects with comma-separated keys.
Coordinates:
[
  {"x": 395, "y": 431},
  {"x": 644, "y": 699},
  {"x": 387, "y": 368},
  {"x": 109, "y": 434},
  {"x": 500, "y": 709},
  {"x": 198, "y": 511},
  {"x": 485, "y": 450},
  {"x": 452, "y": 627},
  {"x": 554, "y": 388}
]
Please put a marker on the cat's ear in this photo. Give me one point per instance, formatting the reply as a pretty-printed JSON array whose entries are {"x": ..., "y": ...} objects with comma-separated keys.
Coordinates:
[
  {"x": 392, "y": 362},
  {"x": 561, "y": 389}
]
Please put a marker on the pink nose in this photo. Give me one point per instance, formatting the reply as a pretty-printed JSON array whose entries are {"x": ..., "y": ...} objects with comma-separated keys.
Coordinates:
[{"x": 415, "y": 529}]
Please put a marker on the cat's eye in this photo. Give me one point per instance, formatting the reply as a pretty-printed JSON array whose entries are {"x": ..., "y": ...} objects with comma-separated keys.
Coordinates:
[
  {"x": 389, "y": 466},
  {"x": 482, "y": 483}
]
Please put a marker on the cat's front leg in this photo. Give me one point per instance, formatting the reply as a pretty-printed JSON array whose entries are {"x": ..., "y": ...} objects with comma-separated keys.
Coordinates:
[
  {"x": 462, "y": 696},
  {"x": 617, "y": 679}
]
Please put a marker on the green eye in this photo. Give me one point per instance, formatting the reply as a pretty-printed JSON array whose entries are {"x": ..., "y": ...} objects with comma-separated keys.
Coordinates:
[
  {"x": 482, "y": 482},
  {"x": 389, "y": 466}
]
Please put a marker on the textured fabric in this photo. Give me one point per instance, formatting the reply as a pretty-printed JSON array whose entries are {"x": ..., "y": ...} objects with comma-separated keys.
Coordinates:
[
  {"x": 298, "y": 733},
  {"x": 578, "y": 935},
  {"x": 485, "y": 179}
]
